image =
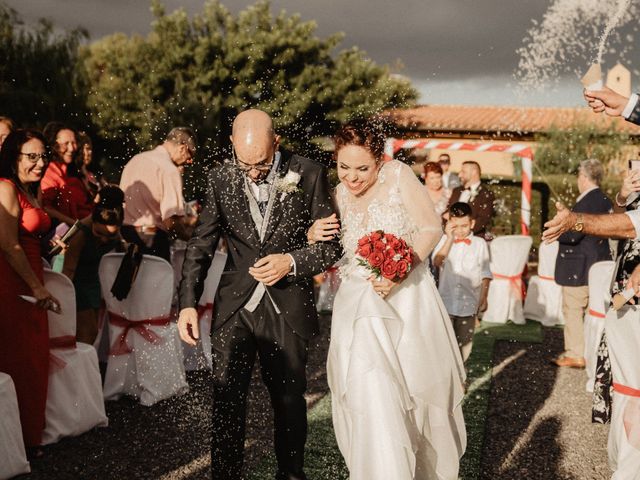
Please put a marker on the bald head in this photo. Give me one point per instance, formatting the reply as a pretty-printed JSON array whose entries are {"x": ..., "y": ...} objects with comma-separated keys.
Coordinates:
[
  {"x": 251, "y": 124},
  {"x": 254, "y": 141}
]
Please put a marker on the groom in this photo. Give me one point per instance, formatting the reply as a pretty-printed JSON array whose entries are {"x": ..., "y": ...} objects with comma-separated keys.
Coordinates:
[{"x": 263, "y": 204}]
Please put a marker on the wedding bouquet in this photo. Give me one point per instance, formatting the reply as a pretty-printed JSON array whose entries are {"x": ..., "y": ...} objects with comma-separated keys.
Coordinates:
[{"x": 385, "y": 255}]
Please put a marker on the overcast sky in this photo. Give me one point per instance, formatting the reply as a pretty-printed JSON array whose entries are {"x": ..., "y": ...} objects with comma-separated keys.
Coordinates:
[{"x": 454, "y": 51}]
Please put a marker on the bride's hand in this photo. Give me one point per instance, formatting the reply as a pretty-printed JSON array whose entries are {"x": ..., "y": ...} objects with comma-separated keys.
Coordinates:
[
  {"x": 381, "y": 285},
  {"x": 324, "y": 229}
]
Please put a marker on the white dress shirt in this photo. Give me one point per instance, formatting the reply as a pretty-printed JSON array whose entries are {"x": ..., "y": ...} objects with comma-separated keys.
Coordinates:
[
  {"x": 467, "y": 194},
  {"x": 628, "y": 109},
  {"x": 461, "y": 275}
]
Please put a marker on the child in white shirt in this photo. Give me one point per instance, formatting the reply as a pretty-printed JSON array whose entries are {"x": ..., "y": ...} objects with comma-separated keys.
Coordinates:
[{"x": 463, "y": 260}]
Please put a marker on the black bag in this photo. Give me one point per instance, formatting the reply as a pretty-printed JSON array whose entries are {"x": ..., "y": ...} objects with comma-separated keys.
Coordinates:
[{"x": 127, "y": 272}]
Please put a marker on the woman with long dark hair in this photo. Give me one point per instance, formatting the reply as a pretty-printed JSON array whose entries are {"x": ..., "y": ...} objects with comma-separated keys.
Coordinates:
[{"x": 24, "y": 332}]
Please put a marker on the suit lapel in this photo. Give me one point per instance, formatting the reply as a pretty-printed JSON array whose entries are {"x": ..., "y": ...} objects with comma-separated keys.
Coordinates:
[
  {"x": 275, "y": 210},
  {"x": 244, "y": 209}
]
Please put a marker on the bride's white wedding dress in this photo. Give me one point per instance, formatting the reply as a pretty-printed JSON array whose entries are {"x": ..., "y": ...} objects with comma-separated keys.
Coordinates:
[{"x": 394, "y": 367}]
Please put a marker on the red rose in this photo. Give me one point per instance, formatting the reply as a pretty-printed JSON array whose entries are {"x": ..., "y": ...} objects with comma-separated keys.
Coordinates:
[
  {"x": 389, "y": 269},
  {"x": 365, "y": 250},
  {"x": 402, "y": 268},
  {"x": 363, "y": 241},
  {"x": 390, "y": 253},
  {"x": 377, "y": 235},
  {"x": 379, "y": 246},
  {"x": 389, "y": 237},
  {"x": 376, "y": 259},
  {"x": 396, "y": 244}
]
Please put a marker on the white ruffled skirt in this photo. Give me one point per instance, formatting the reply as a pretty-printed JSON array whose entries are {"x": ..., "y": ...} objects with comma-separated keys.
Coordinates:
[{"x": 396, "y": 379}]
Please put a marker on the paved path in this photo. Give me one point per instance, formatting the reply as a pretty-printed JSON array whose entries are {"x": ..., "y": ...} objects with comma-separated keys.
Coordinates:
[{"x": 539, "y": 422}]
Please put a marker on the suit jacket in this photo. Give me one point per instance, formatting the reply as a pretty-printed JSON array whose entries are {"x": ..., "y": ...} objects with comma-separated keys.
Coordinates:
[
  {"x": 577, "y": 251},
  {"x": 226, "y": 212},
  {"x": 481, "y": 206},
  {"x": 635, "y": 114}
]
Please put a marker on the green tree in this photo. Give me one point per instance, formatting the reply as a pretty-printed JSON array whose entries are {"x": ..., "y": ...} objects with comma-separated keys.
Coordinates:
[
  {"x": 202, "y": 71},
  {"x": 560, "y": 151},
  {"x": 39, "y": 80}
]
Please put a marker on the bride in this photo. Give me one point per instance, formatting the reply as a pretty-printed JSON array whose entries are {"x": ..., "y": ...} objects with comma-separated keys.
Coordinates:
[{"x": 394, "y": 367}]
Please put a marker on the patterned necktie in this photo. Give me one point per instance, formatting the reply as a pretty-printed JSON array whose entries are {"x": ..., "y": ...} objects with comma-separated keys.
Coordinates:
[{"x": 263, "y": 197}]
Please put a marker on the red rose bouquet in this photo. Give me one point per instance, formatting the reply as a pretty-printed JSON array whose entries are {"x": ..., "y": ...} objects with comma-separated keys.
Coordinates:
[{"x": 385, "y": 255}]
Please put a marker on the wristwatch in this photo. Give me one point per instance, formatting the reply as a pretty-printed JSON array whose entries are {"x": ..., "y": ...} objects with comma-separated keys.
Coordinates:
[{"x": 579, "y": 226}]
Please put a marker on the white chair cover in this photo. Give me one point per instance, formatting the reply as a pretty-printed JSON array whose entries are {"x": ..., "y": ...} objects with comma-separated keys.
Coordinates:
[
  {"x": 74, "y": 397},
  {"x": 13, "y": 458},
  {"x": 199, "y": 357},
  {"x": 623, "y": 337},
  {"x": 508, "y": 258},
  {"x": 600, "y": 275},
  {"x": 544, "y": 296},
  {"x": 101, "y": 343},
  {"x": 328, "y": 290},
  {"x": 145, "y": 359}
]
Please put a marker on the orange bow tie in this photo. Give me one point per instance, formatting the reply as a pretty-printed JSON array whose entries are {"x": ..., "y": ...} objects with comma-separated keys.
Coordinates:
[{"x": 464, "y": 240}]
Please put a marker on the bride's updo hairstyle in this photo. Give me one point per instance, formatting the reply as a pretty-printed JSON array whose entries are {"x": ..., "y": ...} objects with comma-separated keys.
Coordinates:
[{"x": 363, "y": 133}]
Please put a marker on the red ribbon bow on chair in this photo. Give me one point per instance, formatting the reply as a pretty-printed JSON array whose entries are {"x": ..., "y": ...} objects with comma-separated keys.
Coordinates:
[
  {"x": 120, "y": 346},
  {"x": 515, "y": 281},
  {"x": 65, "y": 342}
]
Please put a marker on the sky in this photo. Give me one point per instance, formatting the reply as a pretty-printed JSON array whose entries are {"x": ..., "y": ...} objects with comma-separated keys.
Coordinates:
[{"x": 454, "y": 51}]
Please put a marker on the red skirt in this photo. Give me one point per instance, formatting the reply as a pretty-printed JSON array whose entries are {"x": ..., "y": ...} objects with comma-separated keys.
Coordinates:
[{"x": 24, "y": 344}]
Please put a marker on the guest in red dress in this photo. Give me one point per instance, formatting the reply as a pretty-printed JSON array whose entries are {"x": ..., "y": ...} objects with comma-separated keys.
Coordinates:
[
  {"x": 64, "y": 196},
  {"x": 24, "y": 332}
]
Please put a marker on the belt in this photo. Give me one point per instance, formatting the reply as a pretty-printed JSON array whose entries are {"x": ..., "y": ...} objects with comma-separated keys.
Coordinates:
[{"x": 145, "y": 228}]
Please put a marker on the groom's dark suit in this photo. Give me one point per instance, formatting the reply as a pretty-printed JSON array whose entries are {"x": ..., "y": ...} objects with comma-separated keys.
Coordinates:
[{"x": 285, "y": 317}]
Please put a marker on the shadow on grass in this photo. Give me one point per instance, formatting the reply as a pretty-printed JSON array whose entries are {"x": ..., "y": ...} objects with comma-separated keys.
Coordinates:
[{"x": 479, "y": 374}]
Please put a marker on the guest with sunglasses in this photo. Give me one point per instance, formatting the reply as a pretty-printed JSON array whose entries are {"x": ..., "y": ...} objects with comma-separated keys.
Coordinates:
[
  {"x": 98, "y": 234},
  {"x": 154, "y": 211},
  {"x": 24, "y": 330}
]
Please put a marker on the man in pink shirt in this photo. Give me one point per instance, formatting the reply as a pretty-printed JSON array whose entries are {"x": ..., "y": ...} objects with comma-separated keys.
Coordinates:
[{"x": 154, "y": 208}]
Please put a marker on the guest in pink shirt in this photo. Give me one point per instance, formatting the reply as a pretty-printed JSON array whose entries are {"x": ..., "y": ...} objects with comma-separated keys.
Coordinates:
[{"x": 154, "y": 206}]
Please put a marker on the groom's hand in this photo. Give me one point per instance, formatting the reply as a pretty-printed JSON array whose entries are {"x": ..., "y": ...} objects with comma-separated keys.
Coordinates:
[
  {"x": 270, "y": 269},
  {"x": 188, "y": 326}
]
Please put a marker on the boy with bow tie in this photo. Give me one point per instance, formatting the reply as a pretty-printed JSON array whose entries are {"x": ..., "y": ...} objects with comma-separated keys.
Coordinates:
[{"x": 463, "y": 260}]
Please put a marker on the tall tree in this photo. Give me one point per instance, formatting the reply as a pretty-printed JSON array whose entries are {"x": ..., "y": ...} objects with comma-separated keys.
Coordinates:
[
  {"x": 39, "y": 80},
  {"x": 202, "y": 71}
]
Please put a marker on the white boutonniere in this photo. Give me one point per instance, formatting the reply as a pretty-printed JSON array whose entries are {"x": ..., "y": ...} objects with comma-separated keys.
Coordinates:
[{"x": 289, "y": 184}]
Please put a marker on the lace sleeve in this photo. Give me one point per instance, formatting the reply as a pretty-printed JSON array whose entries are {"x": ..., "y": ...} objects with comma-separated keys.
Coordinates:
[{"x": 428, "y": 225}]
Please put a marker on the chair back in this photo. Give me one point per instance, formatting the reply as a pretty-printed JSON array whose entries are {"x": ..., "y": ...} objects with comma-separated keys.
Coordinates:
[
  {"x": 509, "y": 254},
  {"x": 213, "y": 278},
  {"x": 547, "y": 253},
  {"x": 151, "y": 292},
  {"x": 600, "y": 275},
  {"x": 61, "y": 324}
]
